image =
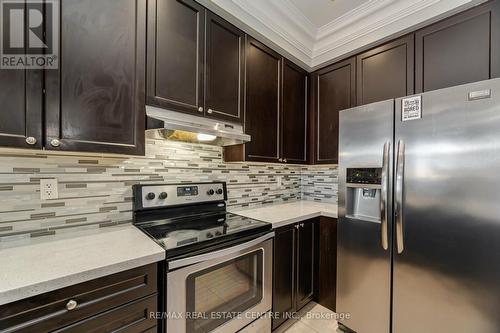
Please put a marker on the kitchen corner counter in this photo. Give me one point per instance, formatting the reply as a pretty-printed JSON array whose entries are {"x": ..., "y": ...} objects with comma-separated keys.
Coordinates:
[
  {"x": 57, "y": 262},
  {"x": 286, "y": 213}
]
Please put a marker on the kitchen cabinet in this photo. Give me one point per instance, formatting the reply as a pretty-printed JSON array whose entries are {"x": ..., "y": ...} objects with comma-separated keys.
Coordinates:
[
  {"x": 334, "y": 89},
  {"x": 461, "y": 49},
  {"x": 386, "y": 71},
  {"x": 120, "y": 301},
  {"x": 305, "y": 262},
  {"x": 284, "y": 273},
  {"x": 95, "y": 99},
  {"x": 262, "y": 114},
  {"x": 294, "y": 272},
  {"x": 224, "y": 70},
  {"x": 21, "y": 114},
  {"x": 327, "y": 262},
  {"x": 195, "y": 61},
  {"x": 176, "y": 48},
  {"x": 276, "y": 109},
  {"x": 294, "y": 113}
]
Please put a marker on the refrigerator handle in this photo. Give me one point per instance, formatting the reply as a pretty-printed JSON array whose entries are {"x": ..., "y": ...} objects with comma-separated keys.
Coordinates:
[
  {"x": 400, "y": 168},
  {"x": 383, "y": 196}
]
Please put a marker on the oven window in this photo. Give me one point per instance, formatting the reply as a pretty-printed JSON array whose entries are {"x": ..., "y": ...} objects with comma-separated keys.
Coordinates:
[{"x": 217, "y": 294}]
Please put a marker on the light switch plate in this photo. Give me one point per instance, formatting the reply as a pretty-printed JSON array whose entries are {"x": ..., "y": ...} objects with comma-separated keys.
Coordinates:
[{"x": 48, "y": 189}]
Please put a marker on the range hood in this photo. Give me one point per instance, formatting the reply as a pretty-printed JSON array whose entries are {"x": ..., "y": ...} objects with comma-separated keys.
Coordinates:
[{"x": 178, "y": 126}]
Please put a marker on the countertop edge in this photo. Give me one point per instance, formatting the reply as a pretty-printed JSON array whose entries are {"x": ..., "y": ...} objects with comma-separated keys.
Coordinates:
[{"x": 28, "y": 291}]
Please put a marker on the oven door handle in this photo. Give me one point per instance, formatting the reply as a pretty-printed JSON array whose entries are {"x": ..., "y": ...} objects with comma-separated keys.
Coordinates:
[{"x": 218, "y": 254}]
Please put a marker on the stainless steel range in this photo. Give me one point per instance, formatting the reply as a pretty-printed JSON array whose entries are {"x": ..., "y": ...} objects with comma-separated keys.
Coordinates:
[{"x": 219, "y": 265}]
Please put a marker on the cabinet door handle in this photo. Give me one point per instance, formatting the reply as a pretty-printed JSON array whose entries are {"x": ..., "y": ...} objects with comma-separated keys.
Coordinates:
[
  {"x": 296, "y": 226},
  {"x": 30, "y": 140},
  {"x": 200, "y": 109},
  {"x": 302, "y": 225},
  {"x": 284, "y": 160},
  {"x": 55, "y": 143},
  {"x": 210, "y": 111},
  {"x": 280, "y": 159},
  {"x": 71, "y": 305}
]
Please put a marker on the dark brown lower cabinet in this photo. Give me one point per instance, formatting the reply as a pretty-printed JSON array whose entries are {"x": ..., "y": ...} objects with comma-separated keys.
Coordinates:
[
  {"x": 294, "y": 271},
  {"x": 119, "y": 302},
  {"x": 327, "y": 262}
]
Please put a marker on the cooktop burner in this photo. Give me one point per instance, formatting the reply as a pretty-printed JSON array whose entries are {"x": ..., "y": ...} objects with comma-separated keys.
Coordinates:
[
  {"x": 182, "y": 231},
  {"x": 185, "y": 218}
]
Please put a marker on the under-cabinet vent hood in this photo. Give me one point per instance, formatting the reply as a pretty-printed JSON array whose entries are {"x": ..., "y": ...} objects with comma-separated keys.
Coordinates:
[{"x": 178, "y": 126}]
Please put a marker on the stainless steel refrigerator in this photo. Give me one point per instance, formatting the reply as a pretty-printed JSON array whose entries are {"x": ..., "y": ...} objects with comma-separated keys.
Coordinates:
[{"x": 419, "y": 213}]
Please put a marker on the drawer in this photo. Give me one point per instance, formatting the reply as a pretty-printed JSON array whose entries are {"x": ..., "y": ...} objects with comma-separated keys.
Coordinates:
[
  {"x": 48, "y": 312},
  {"x": 129, "y": 318}
]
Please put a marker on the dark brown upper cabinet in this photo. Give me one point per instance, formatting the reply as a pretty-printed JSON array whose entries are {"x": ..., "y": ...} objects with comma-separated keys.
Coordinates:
[
  {"x": 276, "y": 109},
  {"x": 176, "y": 48},
  {"x": 386, "y": 71},
  {"x": 262, "y": 114},
  {"x": 293, "y": 113},
  {"x": 21, "y": 112},
  {"x": 461, "y": 49},
  {"x": 196, "y": 61},
  {"x": 95, "y": 99},
  {"x": 224, "y": 70},
  {"x": 334, "y": 89}
]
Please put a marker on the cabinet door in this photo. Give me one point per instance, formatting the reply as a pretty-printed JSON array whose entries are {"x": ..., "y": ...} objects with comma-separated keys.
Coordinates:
[
  {"x": 21, "y": 110},
  {"x": 262, "y": 102},
  {"x": 385, "y": 72},
  {"x": 327, "y": 263},
  {"x": 224, "y": 68},
  {"x": 176, "y": 30},
  {"x": 334, "y": 90},
  {"x": 459, "y": 50},
  {"x": 293, "y": 114},
  {"x": 305, "y": 263},
  {"x": 283, "y": 275},
  {"x": 95, "y": 99}
]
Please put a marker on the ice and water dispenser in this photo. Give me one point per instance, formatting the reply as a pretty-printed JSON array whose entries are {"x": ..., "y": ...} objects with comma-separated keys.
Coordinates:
[{"x": 363, "y": 193}]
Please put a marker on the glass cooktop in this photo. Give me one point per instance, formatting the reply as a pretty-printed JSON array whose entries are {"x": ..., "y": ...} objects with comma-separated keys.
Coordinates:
[{"x": 184, "y": 231}]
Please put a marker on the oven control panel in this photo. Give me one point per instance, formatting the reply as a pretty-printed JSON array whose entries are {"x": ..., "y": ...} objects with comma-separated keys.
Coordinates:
[{"x": 166, "y": 195}]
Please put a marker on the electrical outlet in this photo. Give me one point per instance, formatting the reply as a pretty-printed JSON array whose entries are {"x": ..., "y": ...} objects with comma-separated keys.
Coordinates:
[{"x": 48, "y": 189}]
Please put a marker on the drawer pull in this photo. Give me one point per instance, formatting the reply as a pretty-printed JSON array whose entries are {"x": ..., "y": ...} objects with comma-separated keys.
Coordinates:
[
  {"x": 55, "y": 143},
  {"x": 71, "y": 305},
  {"x": 30, "y": 140}
]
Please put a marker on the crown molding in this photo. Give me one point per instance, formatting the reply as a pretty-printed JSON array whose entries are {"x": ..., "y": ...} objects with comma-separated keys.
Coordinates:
[{"x": 281, "y": 23}]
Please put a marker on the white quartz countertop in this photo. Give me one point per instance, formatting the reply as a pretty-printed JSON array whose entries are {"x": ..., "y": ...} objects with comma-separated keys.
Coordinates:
[
  {"x": 57, "y": 262},
  {"x": 286, "y": 213}
]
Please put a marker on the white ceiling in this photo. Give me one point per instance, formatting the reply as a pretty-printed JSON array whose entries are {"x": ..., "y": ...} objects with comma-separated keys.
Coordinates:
[
  {"x": 315, "y": 32},
  {"x": 321, "y": 12}
]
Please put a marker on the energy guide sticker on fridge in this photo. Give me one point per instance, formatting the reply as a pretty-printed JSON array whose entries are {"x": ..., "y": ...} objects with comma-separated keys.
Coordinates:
[{"x": 412, "y": 108}]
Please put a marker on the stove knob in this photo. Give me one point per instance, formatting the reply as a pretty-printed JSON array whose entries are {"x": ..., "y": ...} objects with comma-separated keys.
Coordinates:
[
  {"x": 210, "y": 235},
  {"x": 163, "y": 195},
  {"x": 150, "y": 196},
  {"x": 218, "y": 233},
  {"x": 210, "y": 192},
  {"x": 219, "y": 191}
]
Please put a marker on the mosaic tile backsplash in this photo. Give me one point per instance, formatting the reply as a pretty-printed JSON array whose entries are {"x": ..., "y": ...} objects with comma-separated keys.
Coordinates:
[{"x": 95, "y": 190}]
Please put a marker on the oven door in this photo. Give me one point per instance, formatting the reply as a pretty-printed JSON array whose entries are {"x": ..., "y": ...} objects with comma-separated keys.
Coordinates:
[{"x": 220, "y": 291}]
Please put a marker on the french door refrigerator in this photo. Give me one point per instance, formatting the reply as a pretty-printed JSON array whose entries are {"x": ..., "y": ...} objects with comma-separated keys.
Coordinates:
[{"x": 419, "y": 213}]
